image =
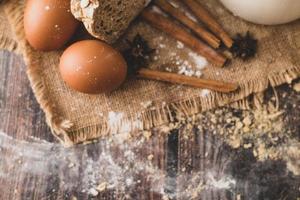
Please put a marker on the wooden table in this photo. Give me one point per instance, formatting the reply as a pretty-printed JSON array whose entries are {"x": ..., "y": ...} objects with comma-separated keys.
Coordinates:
[{"x": 42, "y": 169}]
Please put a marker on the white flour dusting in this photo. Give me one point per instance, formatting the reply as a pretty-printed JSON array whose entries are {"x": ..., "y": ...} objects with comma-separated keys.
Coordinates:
[
  {"x": 192, "y": 64},
  {"x": 225, "y": 182},
  {"x": 76, "y": 168},
  {"x": 114, "y": 118},
  {"x": 205, "y": 92},
  {"x": 199, "y": 61},
  {"x": 119, "y": 164}
]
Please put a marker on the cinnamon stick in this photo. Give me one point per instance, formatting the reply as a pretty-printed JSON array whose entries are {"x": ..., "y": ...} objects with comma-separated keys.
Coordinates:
[
  {"x": 166, "y": 25},
  {"x": 186, "y": 80},
  {"x": 184, "y": 19},
  {"x": 210, "y": 22}
]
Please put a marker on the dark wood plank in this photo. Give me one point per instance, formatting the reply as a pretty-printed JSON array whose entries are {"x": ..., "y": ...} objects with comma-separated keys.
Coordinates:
[
  {"x": 34, "y": 166},
  {"x": 227, "y": 173},
  {"x": 19, "y": 111}
]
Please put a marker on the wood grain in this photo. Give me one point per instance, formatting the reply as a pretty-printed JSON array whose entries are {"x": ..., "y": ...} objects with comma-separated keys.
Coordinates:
[
  {"x": 185, "y": 157},
  {"x": 204, "y": 154}
]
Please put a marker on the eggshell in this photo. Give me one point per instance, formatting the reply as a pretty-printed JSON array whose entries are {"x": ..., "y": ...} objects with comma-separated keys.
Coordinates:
[
  {"x": 92, "y": 67},
  {"x": 48, "y": 24}
]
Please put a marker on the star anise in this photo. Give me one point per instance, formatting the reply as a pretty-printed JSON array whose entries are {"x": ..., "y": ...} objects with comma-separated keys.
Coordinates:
[
  {"x": 244, "y": 47},
  {"x": 138, "y": 53}
]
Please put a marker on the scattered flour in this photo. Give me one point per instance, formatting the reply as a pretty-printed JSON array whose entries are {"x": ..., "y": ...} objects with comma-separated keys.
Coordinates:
[
  {"x": 200, "y": 61},
  {"x": 205, "y": 92},
  {"x": 93, "y": 173},
  {"x": 223, "y": 183},
  {"x": 114, "y": 118},
  {"x": 193, "y": 67}
]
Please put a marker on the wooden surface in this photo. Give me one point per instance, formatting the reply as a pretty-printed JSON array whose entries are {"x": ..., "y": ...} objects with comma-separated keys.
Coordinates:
[{"x": 175, "y": 158}]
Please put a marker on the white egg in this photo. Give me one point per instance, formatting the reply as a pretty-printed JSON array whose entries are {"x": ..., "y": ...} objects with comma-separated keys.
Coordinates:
[{"x": 268, "y": 12}]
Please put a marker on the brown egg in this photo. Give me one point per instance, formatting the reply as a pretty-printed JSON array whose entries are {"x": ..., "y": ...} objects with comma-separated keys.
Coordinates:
[
  {"x": 48, "y": 24},
  {"x": 92, "y": 67}
]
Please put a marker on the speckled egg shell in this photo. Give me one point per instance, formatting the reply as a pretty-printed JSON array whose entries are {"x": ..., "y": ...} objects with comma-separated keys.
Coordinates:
[
  {"x": 48, "y": 24},
  {"x": 92, "y": 67}
]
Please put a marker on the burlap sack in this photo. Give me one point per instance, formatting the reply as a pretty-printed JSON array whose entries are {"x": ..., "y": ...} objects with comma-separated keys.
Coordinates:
[{"x": 76, "y": 117}]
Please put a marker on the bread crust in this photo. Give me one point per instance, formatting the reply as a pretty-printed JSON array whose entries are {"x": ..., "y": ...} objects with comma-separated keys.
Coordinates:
[{"x": 107, "y": 20}]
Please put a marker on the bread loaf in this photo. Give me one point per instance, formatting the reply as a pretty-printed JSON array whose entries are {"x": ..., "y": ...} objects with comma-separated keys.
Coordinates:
[{"x": 107, "y": 20}]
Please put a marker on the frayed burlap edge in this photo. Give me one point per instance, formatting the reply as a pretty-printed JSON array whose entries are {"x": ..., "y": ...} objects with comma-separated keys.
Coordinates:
[
  {"x": 8, "y": 44},
  {"x": 61, "y": 128},
  {"x": 160, "y": 116}
]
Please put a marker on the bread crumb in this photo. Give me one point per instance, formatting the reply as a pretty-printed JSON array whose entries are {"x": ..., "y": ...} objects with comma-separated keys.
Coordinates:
[
  {"x": 247, "y": 121},
  {"x": 246, "y": 129},
  {"x": 165, "y": 197},
  {"x": 239, "y": 125},
  {"x": 71, "y": 165},
  {"x": 87, "y": 142},
  {"x": 147, "y": 134},
  {"x": 150, "y": 157},
  {"x": 296, "y": 87},
  {"x": 255, "y": 153},
  {"x": 235, "y": 142},
  {"x": 247, "y": 146},
  {"x": 102, "y": 187}
]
